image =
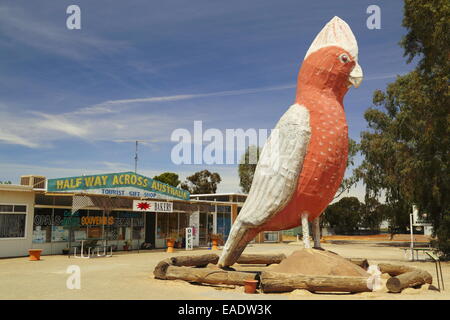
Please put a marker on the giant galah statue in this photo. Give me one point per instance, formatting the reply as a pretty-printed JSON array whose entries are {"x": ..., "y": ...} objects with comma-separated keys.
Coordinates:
[{"x": 303, "y": 162}]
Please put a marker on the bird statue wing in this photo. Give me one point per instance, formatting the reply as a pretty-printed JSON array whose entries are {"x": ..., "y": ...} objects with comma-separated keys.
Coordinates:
[{"x": 274, "y": 181}]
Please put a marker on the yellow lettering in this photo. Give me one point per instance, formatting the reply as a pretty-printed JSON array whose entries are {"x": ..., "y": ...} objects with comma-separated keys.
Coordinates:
[
  {"x": 98, "y": 181},
  {"x": 78, "y": 182},
  {"x": 145, "y": 182},
  {"x": 104, "y": 180},
  {"x": 120, "y": 179},
  {"x": 89, "y": 181},
  {"x": 66, "y": 184},
  {"x": 127, "y": 179},
  {"x": 115, "y": 180},
  {"x": 72, "y": 183},
  {"x": 59, "y": 184}
]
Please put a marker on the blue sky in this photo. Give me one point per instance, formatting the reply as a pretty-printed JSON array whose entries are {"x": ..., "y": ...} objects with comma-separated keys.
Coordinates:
[{"x": 141, "y": 69}]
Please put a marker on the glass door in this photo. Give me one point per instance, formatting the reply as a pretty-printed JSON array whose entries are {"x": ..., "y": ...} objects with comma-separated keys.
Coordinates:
[{"x": 206, "y": 228}]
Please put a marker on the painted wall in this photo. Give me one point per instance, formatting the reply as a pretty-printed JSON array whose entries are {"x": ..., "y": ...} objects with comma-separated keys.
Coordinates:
[{"x": 18, "y": 247}]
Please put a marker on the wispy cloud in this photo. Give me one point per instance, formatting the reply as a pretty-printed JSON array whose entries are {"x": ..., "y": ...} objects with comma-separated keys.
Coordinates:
[
  {"x": 39, "y": 129},
  {"x": 19, "y": 26},
  {"x": 11, "y": 138},
  {"x": 113, "y": 106},
  {"x": 95, "y": 122},
  {"x": 108, "y": 106}
]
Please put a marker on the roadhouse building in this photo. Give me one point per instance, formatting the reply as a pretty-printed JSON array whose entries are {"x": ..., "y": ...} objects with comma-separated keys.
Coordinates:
[{"x": 54, "y": 214}]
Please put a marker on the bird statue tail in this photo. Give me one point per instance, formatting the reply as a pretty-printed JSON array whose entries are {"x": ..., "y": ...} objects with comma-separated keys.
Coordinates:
[{"x": 239, "y": 237}]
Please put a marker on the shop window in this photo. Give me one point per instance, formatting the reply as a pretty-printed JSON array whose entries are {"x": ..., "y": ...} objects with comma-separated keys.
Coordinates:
[
  {"x": 184, "y": 222},
  {"x": 42, "y": 225},
  {"x": 112, "y": 230},
  {"x": 81, "y": 232},
  {"x": 60, "y": 232},
  {"x": 95, "y": 223},
  {"x": 12, "y": 221},
  {"x": 162, "y": 222},
  {"x": 173, "y": 224},
  {"x": 138, "y": 226},
  {"x": 223, "y": 221},
  {"x": 271, "y": 236}
]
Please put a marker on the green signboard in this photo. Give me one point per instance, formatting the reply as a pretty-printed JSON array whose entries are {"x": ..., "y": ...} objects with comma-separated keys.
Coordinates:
[{"x": 119, "y": 184}]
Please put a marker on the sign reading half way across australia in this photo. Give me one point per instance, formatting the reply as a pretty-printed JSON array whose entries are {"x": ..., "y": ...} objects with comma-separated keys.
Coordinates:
[{"x": 119, "y": 184}]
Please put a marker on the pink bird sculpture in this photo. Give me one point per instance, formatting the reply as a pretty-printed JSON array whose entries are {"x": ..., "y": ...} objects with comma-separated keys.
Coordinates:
[{"x": 303, "y": 162}]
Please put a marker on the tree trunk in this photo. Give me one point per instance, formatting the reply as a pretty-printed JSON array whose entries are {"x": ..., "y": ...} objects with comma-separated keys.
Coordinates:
[
  {"x": 408, "y": 280},
  {"x": 283, "y": 282},
  {"x": 198, "y": 261},
  {"x": 261, "y": 258},
  {"x": 206, "y": 275},
  {"x": 394, "y": 270},
  {"x": 363, "y": 263}
]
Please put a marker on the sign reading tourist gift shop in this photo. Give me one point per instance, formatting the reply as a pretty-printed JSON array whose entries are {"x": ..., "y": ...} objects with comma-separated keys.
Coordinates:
[{"x": 118, "y": 184}]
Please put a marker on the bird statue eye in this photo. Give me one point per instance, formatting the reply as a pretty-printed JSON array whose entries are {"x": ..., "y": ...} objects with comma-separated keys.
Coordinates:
[{"x": 344, "y": 58}]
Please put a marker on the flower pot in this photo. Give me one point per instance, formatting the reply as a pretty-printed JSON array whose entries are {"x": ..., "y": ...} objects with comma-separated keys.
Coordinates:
[
  {"x": 35, "y": 254},
  {"x": 65, "y": 251},
  {"x": 215, "y": 242},
  {"x": 170, "y": 244},
  {"x": 250, "y": 286},
  {"x": 125, "y": 248}
]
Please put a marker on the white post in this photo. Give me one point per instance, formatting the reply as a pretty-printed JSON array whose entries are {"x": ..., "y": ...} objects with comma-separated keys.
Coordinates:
[
  {"x": 305, "y": 231},
  {"x": 412, "y": 236}
]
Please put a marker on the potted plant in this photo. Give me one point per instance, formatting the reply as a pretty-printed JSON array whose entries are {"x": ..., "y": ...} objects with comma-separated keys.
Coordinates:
[
  {"x": 170, "y": 240},
  {"x": 215, "y": 239},
  {"x": 126, "y": 245},
  {"x": 65, "y": 251}
]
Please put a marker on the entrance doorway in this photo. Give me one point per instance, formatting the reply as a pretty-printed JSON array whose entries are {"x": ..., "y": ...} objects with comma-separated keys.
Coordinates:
[
  {"x": 206, "y": 227},
  {"x": 150, "y": 226}
]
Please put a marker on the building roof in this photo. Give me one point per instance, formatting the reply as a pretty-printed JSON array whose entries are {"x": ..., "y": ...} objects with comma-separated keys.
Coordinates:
[
  {"x": 15, "y": 187},
  {"x": 219, "y": 194}
]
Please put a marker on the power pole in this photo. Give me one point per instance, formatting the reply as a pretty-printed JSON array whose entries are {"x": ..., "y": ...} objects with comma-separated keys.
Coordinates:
[
  {"x": 136, "y": 157},
  {"x": 135, "y": 150}
]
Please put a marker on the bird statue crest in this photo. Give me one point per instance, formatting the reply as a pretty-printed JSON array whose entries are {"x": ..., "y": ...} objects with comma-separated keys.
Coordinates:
[{"x": 303, "y": 161}]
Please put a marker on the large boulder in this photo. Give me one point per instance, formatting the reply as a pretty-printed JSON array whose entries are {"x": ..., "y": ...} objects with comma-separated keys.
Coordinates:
[{"x": 318, "y": 262}]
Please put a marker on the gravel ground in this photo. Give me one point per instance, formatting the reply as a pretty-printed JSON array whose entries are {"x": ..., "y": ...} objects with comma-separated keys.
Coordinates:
[{"x": 130, "y": 276}]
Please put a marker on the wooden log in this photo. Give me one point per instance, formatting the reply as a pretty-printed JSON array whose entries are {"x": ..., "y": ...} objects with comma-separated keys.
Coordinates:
[
  {"x": 207, "y": 275},
  {"x": 201, "y": 260},
  {"x": 261, "y": 258},
  {"x": 284, "y": 282},
  {"x": 161, "y": 268},
  {"x": 363, "y": 263},
  {"x": 394, "y": 270},
  {"x": 408, "y": 280}
]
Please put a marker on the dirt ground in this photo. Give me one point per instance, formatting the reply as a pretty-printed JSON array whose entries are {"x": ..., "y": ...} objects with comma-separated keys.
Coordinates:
[{"x": 130, "y": 276}]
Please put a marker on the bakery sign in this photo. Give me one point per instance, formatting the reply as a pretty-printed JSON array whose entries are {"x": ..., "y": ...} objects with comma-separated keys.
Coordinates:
[{"x": 152, "y": 206}]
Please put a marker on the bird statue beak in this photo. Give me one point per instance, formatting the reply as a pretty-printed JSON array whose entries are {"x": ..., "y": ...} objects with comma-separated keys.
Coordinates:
[{"x": 356, "y": 76}]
